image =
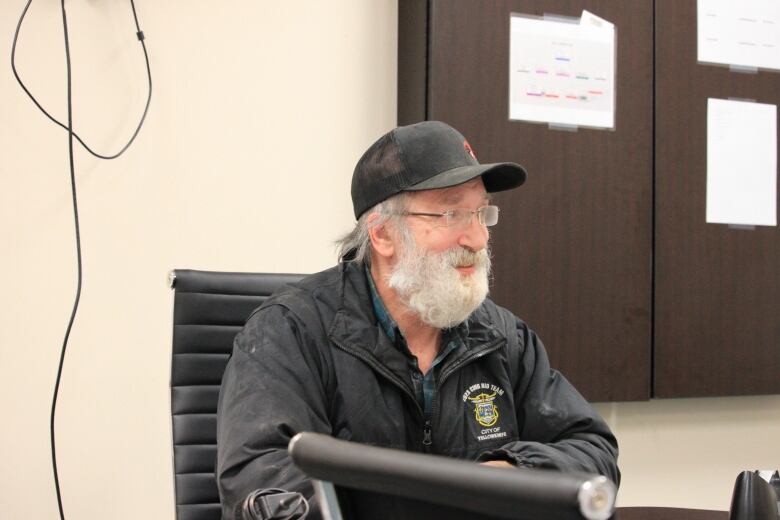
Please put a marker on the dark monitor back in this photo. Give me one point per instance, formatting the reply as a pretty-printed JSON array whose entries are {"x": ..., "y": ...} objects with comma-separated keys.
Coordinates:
[
  {"x": 381, "y": 483},
  {"x": 358, "y": 504}
]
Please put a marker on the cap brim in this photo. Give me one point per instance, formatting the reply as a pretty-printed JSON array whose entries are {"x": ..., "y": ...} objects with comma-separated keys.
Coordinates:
[{"x": 497, "y": 177}]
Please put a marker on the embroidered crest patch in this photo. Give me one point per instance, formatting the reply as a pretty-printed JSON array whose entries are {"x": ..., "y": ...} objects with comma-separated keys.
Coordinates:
[
  {"x": 483, "y": 397},
  {"x": 485, "y": 411}
]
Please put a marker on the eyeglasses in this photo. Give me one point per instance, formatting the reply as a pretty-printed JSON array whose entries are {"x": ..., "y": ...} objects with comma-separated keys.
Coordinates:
[{"x": 460, "y": 218}]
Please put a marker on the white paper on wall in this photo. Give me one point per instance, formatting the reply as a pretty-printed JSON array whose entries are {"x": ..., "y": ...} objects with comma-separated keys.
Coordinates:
[
  {"x": 562, "y": 71},
  {"x": 745, "y": 33},
  {"x": 741, "y": 163}
]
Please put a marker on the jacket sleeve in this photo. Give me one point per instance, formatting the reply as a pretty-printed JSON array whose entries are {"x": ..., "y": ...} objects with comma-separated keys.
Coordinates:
[
  {"x": 273, "y": 388},
  {"x": 558, "y": 428}
]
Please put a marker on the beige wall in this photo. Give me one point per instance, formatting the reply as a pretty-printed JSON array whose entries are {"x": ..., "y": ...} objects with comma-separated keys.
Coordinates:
[
  {"x": 688, "y": 452},
  {"x": 260, "y": 110}
]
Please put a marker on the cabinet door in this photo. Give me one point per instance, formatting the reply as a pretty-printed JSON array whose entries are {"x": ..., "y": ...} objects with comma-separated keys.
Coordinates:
[
  {"x": 717, "y": 289},
  {"x": 573, "y": 248}
]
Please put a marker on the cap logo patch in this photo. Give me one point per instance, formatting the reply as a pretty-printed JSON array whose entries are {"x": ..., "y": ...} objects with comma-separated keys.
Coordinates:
[{"x": 469, "y": 149}]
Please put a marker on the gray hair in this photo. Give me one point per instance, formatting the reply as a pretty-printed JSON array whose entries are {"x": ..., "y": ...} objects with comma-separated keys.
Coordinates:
[{"x": 355, "y": 246}]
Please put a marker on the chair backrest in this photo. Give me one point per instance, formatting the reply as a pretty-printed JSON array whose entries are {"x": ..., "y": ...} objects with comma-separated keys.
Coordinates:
[{"x": 209, "y": 309}]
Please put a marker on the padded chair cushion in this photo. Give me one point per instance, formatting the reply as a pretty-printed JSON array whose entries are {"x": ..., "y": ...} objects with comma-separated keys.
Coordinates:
[{"x": 209, "y": 309}]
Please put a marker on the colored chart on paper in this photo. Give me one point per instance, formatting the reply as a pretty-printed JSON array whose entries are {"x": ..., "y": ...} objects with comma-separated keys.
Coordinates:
[{"x": 562, "y": 71}]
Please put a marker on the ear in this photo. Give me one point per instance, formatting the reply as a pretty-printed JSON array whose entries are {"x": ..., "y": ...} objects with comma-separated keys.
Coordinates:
[{"x": 381, "y": 238}]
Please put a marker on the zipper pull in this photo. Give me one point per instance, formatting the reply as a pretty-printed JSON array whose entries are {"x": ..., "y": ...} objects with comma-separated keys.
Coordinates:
[{"x": 427, "y": 435}]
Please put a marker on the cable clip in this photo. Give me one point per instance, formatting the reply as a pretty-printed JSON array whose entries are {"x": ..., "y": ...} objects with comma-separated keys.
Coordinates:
[{"x": 140, "y": 35}]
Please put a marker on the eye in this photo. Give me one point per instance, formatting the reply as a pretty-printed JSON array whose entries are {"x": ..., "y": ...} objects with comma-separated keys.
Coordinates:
[{"x": 450, "y": 217}]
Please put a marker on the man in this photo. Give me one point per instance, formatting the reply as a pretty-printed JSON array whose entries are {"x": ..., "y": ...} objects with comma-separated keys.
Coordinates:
[{"x": 397, "y": 346}]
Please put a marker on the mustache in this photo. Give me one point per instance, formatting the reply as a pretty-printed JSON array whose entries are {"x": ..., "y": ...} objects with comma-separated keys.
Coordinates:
[{"x": 460, "y": 256}]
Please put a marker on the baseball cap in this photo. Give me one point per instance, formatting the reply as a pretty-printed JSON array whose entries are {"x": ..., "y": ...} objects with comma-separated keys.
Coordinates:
[{"x": 424, "y": 156}]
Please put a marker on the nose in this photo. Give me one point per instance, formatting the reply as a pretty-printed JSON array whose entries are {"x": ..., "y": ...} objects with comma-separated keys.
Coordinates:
[{"x": 474, "y": 236}]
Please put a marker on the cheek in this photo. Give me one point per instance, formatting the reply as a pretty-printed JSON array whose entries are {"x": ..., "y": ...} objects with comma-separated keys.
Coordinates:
[
  {"x": 484, "y": 235},
  {"x": 434, "y": 242},
  {"x": 433, "y": 239}
]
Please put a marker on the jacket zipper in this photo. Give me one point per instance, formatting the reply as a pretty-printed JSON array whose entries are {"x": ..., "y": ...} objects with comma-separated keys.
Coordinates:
[
  {"x": 427, "y": 433},
  {"x": 427, "y": 442},
  {"x": 386, "y": 373}
]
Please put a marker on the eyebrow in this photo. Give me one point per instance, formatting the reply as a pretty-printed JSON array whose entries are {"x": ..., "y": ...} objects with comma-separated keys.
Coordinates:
[{"x": 449, "y": 198}]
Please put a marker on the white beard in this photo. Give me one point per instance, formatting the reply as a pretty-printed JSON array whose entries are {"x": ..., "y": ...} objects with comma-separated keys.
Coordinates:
[{"x": 431, "y": 287}]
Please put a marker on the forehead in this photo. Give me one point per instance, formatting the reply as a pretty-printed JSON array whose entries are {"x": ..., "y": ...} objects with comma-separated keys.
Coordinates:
[{"x": 473, "y": 190}]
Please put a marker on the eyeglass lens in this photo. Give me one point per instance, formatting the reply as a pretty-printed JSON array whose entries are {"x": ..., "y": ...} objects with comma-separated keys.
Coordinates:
[{"x": 461, "y": 217}]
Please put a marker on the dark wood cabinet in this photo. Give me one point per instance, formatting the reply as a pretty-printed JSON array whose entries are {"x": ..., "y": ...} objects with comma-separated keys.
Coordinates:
[
  {"x": 605, "y": 251},
  {"x": 717, "y": 289}
]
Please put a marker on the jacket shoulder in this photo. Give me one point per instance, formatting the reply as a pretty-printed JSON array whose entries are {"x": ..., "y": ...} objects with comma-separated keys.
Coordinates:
[
  {"x": 501, "y": 318},
  {"x": 299, "y": 295}
]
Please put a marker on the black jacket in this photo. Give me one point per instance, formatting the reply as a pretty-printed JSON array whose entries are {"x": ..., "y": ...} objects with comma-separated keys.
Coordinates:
[{"x": 313, "y": 358}]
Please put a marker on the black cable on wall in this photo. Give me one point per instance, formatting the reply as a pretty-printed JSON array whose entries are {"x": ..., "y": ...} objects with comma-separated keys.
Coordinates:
[{"x": 72, "y": 135}]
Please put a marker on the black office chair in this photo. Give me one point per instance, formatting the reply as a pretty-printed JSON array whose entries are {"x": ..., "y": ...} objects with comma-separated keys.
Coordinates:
[{"x": 208, "y": 311}]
